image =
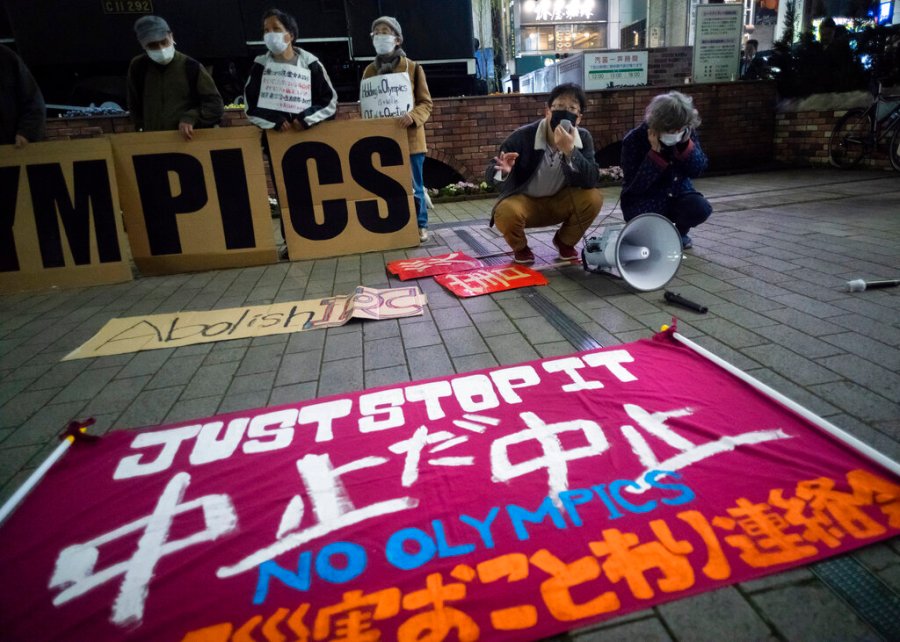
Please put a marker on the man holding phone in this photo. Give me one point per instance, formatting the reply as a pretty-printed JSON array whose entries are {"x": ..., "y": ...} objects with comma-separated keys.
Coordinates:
[{"x": 547, "y": 175}]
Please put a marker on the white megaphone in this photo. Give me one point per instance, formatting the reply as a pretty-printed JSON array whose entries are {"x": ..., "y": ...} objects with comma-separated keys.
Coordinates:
[{"x": 645, "y": 252}]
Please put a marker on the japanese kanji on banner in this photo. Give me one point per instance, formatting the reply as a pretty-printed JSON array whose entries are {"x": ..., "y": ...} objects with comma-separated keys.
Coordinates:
[
  {"x": 416, "y": 268},
  {"x": 506, "y": 504},
  {"x": 285, "y": 87},
  {"x": 490, "y": 279}
]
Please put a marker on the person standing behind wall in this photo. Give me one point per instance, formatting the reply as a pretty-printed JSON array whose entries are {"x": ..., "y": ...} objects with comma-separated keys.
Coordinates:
[
  {"x": 166, "y": 89},
  {"x": 279, "y": 32},
  {"x": 320, "y": 104},
  {"x": 22, "y": 110},
  {"x": 387, "y": 36}
]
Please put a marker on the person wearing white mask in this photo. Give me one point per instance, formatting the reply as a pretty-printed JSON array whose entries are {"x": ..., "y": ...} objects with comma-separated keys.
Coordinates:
[
  {"x": 387, "y": 36},
  {"x": 659, "y": 159},
  {"x": 279, "y": 32},
  {"x": 168, "y": 90}
]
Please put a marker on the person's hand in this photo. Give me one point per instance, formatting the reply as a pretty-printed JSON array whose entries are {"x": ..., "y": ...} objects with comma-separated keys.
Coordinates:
[
  {"x": 187, "y": 130},
  {"x": 406, "y": 121},
  {"x": 505, "y": 161},
  {"x": 653, "y": 137},
  {"x": 564, "y": 139},
  {"x": 297, "y": 124},
  {"x": 285, "y": 126},
  {"x": 21, "y": 141}
]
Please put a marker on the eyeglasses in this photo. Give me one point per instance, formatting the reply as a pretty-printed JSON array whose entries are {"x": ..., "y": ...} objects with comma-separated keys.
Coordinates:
[{"x": 575, "y": 109}]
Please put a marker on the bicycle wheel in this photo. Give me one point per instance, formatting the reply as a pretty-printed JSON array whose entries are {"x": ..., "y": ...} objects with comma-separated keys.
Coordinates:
[
  {"x": 849, "y": 140},
  {"x": 894, "y": 149}
]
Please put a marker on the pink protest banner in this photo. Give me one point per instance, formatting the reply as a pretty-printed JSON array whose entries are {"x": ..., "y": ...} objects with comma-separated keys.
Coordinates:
[
  {"x": 506, "y": 504},
  {"x": 416, "y": 268},
  {"x": 490, "y": 279}
]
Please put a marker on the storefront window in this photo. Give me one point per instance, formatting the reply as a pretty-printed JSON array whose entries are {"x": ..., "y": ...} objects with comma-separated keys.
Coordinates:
[
  {"x": 561, "y": 25},
  {"x": 580, "y": 36},
  {"x": 538, "y": 39}
]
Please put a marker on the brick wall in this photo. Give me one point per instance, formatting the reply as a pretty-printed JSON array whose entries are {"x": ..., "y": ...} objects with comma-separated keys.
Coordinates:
[
  {"x": 801, "y": 138},
  {"x": 738, "y": 131},
  {"x": 669, "y": 65}
]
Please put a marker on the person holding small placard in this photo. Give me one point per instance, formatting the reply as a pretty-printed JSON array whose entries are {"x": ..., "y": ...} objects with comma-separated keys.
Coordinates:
[
  {"x": 288, "y": 87},
  {"x": 394, "y": 86}
]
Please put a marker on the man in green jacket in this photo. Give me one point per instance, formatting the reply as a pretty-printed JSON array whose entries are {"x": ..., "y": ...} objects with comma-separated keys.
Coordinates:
[{"x": 167, "y": 89}]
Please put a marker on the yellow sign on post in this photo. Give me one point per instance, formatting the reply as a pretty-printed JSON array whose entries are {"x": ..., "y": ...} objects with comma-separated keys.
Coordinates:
[
  {"x": 60, "y": 222},
  {"x": 195, "y": 205},
  {"x": 344, "y": 187}
]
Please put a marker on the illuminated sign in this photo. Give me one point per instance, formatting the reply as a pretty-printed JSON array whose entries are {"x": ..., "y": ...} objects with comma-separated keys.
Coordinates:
[{"x": 557, "y": 10}]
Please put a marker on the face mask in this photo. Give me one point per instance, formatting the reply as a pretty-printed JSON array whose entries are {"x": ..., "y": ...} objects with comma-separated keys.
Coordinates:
[
  {"x": 275, "y": 42},
  {"x": 559, "y": 115},
  {"x": 671, "y": 139},
  {"x": 162, "y": 56},
  {"x": 384, "y": 43}
]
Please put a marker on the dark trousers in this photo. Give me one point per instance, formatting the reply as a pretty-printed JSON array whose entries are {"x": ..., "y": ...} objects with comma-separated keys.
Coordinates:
[{"x": 687, "y": 210}]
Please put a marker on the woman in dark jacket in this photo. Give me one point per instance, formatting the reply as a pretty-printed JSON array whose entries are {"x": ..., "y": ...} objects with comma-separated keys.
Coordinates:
[{"x": 659, "y": 159}]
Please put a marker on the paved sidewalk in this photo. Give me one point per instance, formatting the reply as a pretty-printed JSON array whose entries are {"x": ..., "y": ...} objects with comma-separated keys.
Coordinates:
[{"x": 770, "y": 265}]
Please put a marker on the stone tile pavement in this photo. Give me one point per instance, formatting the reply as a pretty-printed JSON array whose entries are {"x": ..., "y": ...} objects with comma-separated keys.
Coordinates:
[{"x": 769, "y": 265}]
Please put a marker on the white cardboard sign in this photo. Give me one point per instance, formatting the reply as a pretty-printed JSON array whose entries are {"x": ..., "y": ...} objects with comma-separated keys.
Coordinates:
[
  {"x": 386, "y": 96},
  {"x": 285, "y": 87}
]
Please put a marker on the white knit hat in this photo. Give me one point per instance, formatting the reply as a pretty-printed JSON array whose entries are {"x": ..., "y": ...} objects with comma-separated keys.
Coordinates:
[{"x": 390, "y": 22}]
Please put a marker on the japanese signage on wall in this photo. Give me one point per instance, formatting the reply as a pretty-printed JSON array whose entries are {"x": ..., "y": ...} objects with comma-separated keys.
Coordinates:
[
  {"x": 344, "y": 188},
  {"x": 195, "y": 205},
  {"x": 717, "y": 42},
  {"x": 285, "y": 87},
  {"x": 385, "y": 96},
  {"x": 59, "y": 217},
  {"x": 506, "y": 504},
  {"x": 603, "y": 70}
]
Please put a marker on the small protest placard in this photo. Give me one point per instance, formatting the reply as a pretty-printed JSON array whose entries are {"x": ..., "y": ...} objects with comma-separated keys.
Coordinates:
[
  {"x": 285, "y": 87},
  {"x": 490, "y": 279},
  {"x": 385, "y": 96},
  {"x": 430, "y": 265}
]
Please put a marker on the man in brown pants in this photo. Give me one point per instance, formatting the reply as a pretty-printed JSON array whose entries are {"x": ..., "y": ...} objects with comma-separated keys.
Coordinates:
[{"x": 547, "y": 175}]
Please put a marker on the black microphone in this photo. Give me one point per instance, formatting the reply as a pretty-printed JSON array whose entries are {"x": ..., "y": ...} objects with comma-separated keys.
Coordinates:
[
  {"x": 672, "y": 297},
  {"x": 858, "y": 285}
]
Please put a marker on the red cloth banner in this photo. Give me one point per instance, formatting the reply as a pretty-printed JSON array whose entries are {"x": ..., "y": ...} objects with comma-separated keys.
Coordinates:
[
  {"x": 490, "y": 279},
  {"x": 506, "y": 504},
  {"x": 416, "y": 268}
]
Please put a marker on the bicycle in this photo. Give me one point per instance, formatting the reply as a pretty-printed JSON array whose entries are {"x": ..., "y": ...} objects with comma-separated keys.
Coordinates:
[{"x": 860, "y": 131}]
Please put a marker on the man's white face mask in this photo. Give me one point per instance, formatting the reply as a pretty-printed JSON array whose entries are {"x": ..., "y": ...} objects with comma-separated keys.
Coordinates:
[
  {"x": 162, "y": 56},
  {"x": 275, "y": 42},
  {"x": 384, "y": 43}
]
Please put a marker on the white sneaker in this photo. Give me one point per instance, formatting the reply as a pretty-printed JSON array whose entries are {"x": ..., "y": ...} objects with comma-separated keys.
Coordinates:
[{"x": 423, "y": 234}]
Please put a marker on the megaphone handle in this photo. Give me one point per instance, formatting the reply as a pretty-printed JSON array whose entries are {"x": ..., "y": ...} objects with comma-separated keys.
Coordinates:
[{"x": 672, "y": 297}]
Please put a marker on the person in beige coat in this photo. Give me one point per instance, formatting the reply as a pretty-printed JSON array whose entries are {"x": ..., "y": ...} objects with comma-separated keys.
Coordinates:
[{"x": 387, "y": 36}]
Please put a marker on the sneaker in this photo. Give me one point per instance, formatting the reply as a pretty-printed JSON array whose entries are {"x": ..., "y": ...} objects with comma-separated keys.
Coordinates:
[
  {"x": 524, "y": 256},
  {"x": 283, "y": 254},
  {"x": 566, "y": 252},
  {"x": 686, "y": 242},
  {"x": 423, "y": 234}
]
